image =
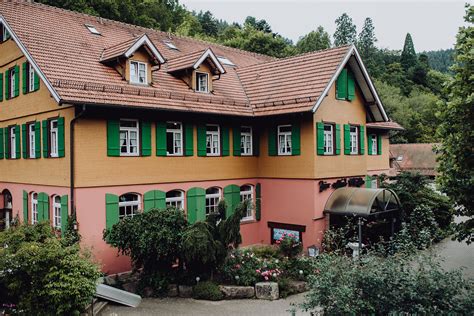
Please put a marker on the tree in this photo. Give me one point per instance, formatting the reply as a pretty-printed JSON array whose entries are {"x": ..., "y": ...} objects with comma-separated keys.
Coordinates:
[
  {"x": 456, "y": 131},
  {"x": 208, "y": 23},
  {"x": 345, "y": 31},
  {"x": 419, "y": 72},
  {"x": 408, "y": 58},
  {"x": 313, "y": 41},
  {"x": 260, "y": 25},
  {"x": 367, "y": 40}
]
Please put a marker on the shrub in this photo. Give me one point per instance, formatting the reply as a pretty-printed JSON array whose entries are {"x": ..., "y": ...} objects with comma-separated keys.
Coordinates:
[
  {"x": 207, "y": 291},
  {"x": 42, "y": 275},
  {"x": 153, "y": 242},
  {"x": 386, "y": 286},
  {"x": 289, "y": 246},
  {"x": 265, "y": 251},
  {"x": 299, "y": 268},
  {"x": 240, "y": 267}
]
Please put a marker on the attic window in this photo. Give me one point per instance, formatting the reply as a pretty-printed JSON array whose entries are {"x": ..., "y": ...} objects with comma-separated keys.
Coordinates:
[
  {"x": 225, "y": 61},
  {"x": 171, "y": 45},
  {"x": 92, "y": 29}
]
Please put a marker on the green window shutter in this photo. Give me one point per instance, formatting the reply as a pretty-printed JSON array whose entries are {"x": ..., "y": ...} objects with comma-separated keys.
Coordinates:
[
  {"x": 17, "y": 142},
  {"x": 111, "y": 210},
  {"x": 362, "y": 139},
  {"x": 225, "y": 140},
  {"x": 37, "y": 140},
  {"x": 369, "y": 144},
  {"x": 154, "y": 199},
  {"x": 350, "y": 86},
  {"x": 196, "y": 205},
  {"x": 232, "y": 197},
  {"x": 272, "y": 141},
  {"x": 113, "y": 138},
  {"x": 64, "y": 212},
  {"x": 320, "y": 138},
  {"x": 24, "y": 138},
  {"x": 161, "y": 138},
  {"x": 43, "y": 206},
  {"x": 1, "y": 87},
  {"x": 7, "y": 85},
  {"x": 347, "y": 139},
  {"x": 1, "y": 143},
  {"x": 17, "y": 81},
  {"x": 236, "y": 140},
  {"x": 146, "y": 138},
  {"x": 188, "y": 139},
  {"x": 7, "y": 143},
  {"x": 61, "y": 144},
  {"x": 255, "y": 142},
  {"x": 258, "y": 202},
  {"x": 379, "y": 144},
  {"x": 25, "y": 77},
  {"x": 338, "y": 139},
  {"x": 25, "y": 206},
  {"x": 368, "y": 183},
  {"x": 341, "y": 85},
  {"x": 295, "y": 139},
  {"x": 201, "y": 140},
  {"x": 45, "y": 139},
  {"x": 36, "y": 82}
]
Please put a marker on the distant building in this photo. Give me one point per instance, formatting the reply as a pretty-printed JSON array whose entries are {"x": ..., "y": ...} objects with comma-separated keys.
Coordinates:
[{"x": 414, "y": 158}]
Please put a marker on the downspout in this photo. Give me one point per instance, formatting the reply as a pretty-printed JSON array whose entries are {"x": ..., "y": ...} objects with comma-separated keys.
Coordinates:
[{"x": 71, "y": 155}]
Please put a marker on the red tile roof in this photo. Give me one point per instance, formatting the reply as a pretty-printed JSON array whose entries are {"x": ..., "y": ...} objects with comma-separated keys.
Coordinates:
[
  {"x": 118, "y": 49},
  {"x": 385, "y": 125},
  {"x": 69, "y": 57},
  {"x": 414, "y": 158}
]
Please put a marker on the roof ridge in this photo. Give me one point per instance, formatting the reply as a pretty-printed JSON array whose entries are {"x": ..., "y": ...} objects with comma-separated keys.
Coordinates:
[{"x": 124, "y": 24}]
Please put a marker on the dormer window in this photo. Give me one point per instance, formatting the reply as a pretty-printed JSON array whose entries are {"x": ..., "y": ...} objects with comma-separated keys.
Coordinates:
[
  {"x": 92, "y": 29},
  {"x": 171, "y": 45},
  {"x": 202, "y": 81},
  {"x": 138, "y": 71}
]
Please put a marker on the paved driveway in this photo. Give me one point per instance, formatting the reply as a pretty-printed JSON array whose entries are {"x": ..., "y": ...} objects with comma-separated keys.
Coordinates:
[{"x": 456, "y": 255}]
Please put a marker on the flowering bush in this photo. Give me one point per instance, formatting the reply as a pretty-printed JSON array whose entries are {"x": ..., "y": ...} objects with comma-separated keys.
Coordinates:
[{"x": 289, "y": 246}]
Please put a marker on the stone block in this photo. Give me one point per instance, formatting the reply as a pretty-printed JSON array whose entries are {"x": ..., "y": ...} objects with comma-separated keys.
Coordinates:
[
  {"x": 185, "y": 291},
  {"x": 298, "y": 286},
  {"x": 237, "y": 292},
  {"x": 172, "y": 290},
  {"x": 267, "y": 290}
]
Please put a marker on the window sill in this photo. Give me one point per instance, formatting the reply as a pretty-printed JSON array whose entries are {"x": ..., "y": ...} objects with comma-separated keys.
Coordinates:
[
  {"x": 248, "y": 220},
  {"x": 174, "y": 155},
  {"x": 284, "y": 155}
]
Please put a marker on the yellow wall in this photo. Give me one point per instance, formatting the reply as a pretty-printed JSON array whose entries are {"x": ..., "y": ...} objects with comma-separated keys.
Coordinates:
[{"x": 380, "y": 162}]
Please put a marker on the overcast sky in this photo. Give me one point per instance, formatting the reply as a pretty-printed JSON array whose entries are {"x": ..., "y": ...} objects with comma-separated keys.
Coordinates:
[{"x": 432, "y": 24}]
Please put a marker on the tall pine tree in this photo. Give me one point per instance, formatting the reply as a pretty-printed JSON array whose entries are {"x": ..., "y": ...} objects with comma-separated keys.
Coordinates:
[
  {"x": 345, "y": 31},
  {"x": 408, "y": 58},
  {"x": 367, "y": 39}
]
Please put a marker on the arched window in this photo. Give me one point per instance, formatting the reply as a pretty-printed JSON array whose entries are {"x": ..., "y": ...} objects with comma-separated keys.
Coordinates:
[
  {"x": 175, "y": 199},
  {"x": 246, "y": 194},
  {"x": 129, "y": 204},
  {"x": 34, "y": 208},
  {"x": 213, "y": 195},
  {"x": 57, "y": 211}
]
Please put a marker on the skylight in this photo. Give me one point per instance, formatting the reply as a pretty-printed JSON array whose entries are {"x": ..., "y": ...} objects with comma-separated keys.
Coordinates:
[
  {"x": 92, "y": 29},
  {"x": 171, "y": 45},
  {"x": 225, "y": 61}
]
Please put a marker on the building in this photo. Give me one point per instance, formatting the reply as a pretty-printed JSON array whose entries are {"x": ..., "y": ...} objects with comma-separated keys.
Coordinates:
[
  {"x": 106, "y": 119},
  {"x": 415, "y": 158}
]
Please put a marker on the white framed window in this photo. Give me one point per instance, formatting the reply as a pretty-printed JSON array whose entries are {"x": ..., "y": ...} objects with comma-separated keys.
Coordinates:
[
  {"x": 12, "y": 143},
  {"x": 284, "y": 140},
  {"x": 31, "y": 140},
  {"x": 53, "y": 137},
  {"x": 213, "y": 140},
  {"x": 34, "y": 208},
  {"x": 175, "y": 199},
  {"x": 129, "y": 137},
  {"x": 328, "y": 139},
  {"x": 373, "y": 139},
  {"x": 129, "y": 204},
  {"x": 354, "y": 140},
  {"x": 246, "y": 194},
  {"x": 31, "y": 78},
  {"x": 13, "y": 75},
  {"x": 246, "y": 141},
  {"x": 225, "y": 61},
  {"x": 202, "y": 82},
  {"x": 213, "y": 196},
  {"x": 138, "y": 72},
  {"x": 57, "y": 211},
  {"x": 92, "y": 29},
  {"x": 174, "y": 138}
]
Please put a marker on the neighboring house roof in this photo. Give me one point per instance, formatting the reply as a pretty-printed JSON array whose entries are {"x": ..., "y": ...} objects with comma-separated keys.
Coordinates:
[
  {"x": 419, "y": 158},
  {"x": 194, "y": 60},
  {"x": 67, "y": 57},
  {"x": 385, "y": 125}
]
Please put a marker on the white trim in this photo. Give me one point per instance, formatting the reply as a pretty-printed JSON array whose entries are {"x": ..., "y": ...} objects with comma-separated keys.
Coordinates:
[
  {"x": 210, "y": 54},
  {"x": 213, "y": 133},
  {"x": 56, "y": 207},
  {"x": 30, "y": 59},
  {"x": 138, "y": 72},
  {"x": 145, "y": 40},
  {"x": 128, "y": 130},
  {"x": 171, "y": 201},
  {"x": 282, "y": 151},
  {"x": 174, "y": 132},
  {"x": 52, "y": 140},
  {"x": 198, "y": 73},
  {"x": 350, "y": 52},
  {"x": 31, "y": 140},
  {"x": 131, "y": 204},
  {"x": 249, "y": 208},
  {"x": 251, "y": 140}
]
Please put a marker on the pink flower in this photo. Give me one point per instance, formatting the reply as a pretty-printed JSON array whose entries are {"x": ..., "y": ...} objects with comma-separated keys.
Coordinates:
[
  {"x": 266, "y": 278},
  {"x": 258, "y": 270},
  {"x": 237, "y": 266},
  {"x": 278, "y": 241}
]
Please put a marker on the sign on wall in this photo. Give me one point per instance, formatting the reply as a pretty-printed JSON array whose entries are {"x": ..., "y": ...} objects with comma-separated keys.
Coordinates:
[
  {"x": 279, "y": 232},
  {"x": 278, "y": 229}
]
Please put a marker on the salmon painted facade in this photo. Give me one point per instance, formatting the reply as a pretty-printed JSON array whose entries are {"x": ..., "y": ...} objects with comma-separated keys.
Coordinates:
[{"x": 105, "y": 120}]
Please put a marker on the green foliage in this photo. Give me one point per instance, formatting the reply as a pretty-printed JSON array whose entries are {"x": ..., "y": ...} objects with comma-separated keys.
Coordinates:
[
  {"x": 336, "y": 239},
  {"x": 367, "y": 40},
  {"x": 441, "y": 60},
  {"x": 207, "y": 291},
  {"x": 456, "y": 131},
  {"x": 41, "y": 275},
  {"x": 345, "y": 31},
  {"x": 265, "y": 251},
  {"x": 408, "y": 58},
  {"x": 71, "y": 236},
  {"x": 313, "y": 41},
  {"x": 289, "y": 246}
]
